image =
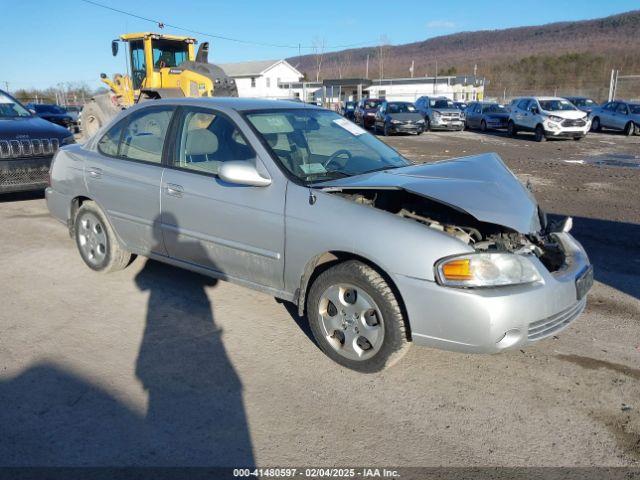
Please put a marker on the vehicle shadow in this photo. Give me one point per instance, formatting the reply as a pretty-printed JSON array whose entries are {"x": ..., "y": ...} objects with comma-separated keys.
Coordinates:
[
  {"x": 195, "y": 414},
  {"x": 614, "y": 250},
  {"x": 21, "y": 196}
]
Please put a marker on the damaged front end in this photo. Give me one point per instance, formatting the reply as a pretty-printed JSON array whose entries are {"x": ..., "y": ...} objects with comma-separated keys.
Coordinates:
[
  {"x": 476, "y": 200},
  {"x": 483, "y": 237}
]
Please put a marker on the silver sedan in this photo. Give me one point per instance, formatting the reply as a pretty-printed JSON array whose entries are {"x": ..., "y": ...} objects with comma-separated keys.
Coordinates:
[{"x": 298, "y": 202}]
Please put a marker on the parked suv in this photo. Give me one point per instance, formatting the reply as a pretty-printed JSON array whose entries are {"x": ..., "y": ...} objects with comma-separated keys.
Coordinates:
[
  {"x": 27, "y": 144},
  {"x": 440, "y": 113},
  {"x": 548, "y": 117},
  {"x": 365, "y": 113},
  {"x": 617, "y": 115}
]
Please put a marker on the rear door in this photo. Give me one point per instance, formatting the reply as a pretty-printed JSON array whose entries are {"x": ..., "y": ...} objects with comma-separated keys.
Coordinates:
[
  {"x": 607, "y": 118},
  {"x": 232, "y": 229},
  {"x": 620, "y": 116},
  {"x": 124, "y": 175}
]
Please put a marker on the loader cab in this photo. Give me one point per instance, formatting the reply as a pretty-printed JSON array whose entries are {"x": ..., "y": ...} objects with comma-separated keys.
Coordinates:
[{"x": 150, "y": 53}]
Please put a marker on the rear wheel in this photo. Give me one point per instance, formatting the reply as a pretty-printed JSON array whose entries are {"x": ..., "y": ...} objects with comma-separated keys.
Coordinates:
[
  {"x": 595, "y": 125},
  {"x": 356, "y": 318},
  {"x": 483, "y": 126},
  {"x": 511, "y": 129},
  {"x": 96, "y": 241},
  {"x": 539, "y": 133},
  {"x": 630, "y": 129}
]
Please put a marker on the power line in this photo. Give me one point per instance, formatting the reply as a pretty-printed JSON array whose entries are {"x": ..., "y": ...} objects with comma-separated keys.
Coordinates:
[{"x": 219, "y": 37}]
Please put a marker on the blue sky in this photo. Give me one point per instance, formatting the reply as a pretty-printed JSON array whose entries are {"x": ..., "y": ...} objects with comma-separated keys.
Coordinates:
[{"x": 46, "y": 42}]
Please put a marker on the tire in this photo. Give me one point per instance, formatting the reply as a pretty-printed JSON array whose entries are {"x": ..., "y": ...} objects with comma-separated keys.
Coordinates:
[
  {"x": 630, "y": 129},
  {"x": 375, "y": 300},
  {"x": 539, "y": 134},
  {"x": 96, "y": 240},
  {"x": 577, "y": 139},
  {"x": 512, "y": 131},
  {"x": 96, "y": 113},
  {"x": 419, "y": 132},
  {"x": 483, "y": 126},
  {"x": 596, "y": 126}
]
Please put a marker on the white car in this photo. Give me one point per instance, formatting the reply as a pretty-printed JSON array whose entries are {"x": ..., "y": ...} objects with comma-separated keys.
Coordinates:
[{"x": 548, "y": 117}]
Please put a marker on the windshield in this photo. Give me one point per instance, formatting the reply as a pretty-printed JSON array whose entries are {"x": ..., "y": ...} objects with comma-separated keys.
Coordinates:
[
  {"x": 494, "y": 108},
  {"x": 401, "y": 108},
  {"x": 556, "y": 105},
  {"x": 372, "y": 104},
  {"x": 442, "y": 103},
  {"x": 635, "y": 109},
  {"x": 318, "y": 145},
  {"x": 48, "y": 109},
  {"x": 10, "y": 108},
  {"x": 583, "y": 102}
]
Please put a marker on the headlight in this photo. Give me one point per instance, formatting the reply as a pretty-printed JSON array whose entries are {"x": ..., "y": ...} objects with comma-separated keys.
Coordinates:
[
  {"x": 486, "y": 270},
  {"x": 68, "y": 141},
  {"x": 436, "y": 114},
  {"x": 370, "y": 114},
  {"x": 553, "y": 118},
  {"x": 420, "y": 121},
  {"x": 395, "y": 122}
]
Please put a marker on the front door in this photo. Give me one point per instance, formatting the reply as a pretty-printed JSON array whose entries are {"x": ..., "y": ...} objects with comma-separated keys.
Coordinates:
[
  {"x": 124, "y": 175},
  {"x": 235, "y": 230}
]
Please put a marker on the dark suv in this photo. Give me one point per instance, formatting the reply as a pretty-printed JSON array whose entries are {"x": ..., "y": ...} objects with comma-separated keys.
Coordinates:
[
  {"x": 27, "y": 145},
  {"x": 365, "y": 113}
]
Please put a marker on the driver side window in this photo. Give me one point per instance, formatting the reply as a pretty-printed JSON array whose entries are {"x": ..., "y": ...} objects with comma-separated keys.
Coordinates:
[{"x": 207, "y": 139}]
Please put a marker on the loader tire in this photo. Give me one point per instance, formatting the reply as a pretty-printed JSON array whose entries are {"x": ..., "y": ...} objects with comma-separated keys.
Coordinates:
[{"x": 96, "y": 113}]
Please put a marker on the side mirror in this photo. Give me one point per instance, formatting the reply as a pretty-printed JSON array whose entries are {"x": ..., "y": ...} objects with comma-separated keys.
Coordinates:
[
  {"x": 32, "y": 111},
  {"x": 242, "y": 173},
  {"x": 114, "y": 47},
  {"x": 535, "y": 110}
]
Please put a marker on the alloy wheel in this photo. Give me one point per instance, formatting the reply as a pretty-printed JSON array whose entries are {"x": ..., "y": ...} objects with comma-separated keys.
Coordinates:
[{"x": 92, "y": 239}]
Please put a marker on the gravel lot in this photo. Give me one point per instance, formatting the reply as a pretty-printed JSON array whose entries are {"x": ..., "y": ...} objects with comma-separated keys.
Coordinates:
[{"x": 157, "y": 366}]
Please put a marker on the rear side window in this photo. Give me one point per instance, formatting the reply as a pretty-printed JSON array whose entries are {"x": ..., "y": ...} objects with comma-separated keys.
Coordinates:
[
  {"x": 108, "y": 144},
  {"x": 144, "y": 135},
  {"x": 522, "y": 104}
]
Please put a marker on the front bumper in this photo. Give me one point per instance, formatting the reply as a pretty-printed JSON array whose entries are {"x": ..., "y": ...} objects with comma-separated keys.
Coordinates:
[
  {"x": 447, "y": 124},
  {"x": 490, "y": 320},
  {"x": 24, "y": 174},
  {"x": 406, "y": 127},
  {"x": 565, "y": 133}
]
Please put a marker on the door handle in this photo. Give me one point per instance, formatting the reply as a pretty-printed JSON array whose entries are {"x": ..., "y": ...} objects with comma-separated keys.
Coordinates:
[
  {"x": 95, "y": 172},
  {"x": 174, "y": 190}
]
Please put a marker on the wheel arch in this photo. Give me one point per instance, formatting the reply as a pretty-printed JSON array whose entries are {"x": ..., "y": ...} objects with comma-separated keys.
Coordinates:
[
  {"x": 76, "y": 203},
  {"x": 321, "y": 262}
]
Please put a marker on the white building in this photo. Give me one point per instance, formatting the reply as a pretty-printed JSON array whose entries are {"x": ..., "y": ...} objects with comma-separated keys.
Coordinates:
[{"x": 262, "y": 78}]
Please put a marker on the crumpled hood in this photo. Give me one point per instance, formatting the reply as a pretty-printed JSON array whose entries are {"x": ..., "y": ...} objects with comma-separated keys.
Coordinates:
[{"x": 481, "y": 186}]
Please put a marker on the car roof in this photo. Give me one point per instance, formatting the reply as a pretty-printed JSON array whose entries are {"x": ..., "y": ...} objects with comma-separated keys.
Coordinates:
[{"x": 233, "y": 103}]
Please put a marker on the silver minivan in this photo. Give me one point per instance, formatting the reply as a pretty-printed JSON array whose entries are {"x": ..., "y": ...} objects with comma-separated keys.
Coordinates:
[{"x": 299, "y": 202}]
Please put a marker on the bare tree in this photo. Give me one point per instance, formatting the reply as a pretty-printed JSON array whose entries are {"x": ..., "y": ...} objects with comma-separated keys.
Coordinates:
[
  {"x": 383, "y": 53},
  {"x": 318, "y": 52},
  {"x": 343, "y": 63}
]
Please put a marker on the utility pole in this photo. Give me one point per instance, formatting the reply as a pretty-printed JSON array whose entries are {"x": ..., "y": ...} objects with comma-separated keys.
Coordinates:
[
  {"x": 411, "y": 69},
  {"x": 6, "y": 84},
  {"x": 367, "y": 71}
]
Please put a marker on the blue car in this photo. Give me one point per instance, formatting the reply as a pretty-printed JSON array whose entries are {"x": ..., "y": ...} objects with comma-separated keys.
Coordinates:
[
  {"x": 27, "y": 145},
  {"x": 486, "y": 116}
]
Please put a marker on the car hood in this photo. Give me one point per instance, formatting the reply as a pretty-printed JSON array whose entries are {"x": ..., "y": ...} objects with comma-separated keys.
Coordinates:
[
  {"x": 413, "y": 116},
  {"x": 446, "y": 110},
  {"x": 30, "y": 127},
  {"x": 570, "y": 114},
  {"x": 481, "y": 186}
]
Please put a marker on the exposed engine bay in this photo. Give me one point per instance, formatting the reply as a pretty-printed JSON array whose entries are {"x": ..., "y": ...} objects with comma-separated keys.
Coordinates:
[{"x": 482, "y": 236}]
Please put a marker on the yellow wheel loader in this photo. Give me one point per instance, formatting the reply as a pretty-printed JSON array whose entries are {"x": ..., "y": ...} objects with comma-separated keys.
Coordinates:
[{"x": 160, "y": 66}]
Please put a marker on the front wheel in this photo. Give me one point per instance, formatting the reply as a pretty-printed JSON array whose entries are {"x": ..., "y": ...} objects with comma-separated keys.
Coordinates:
[
  {"x": 596, "y": 126},
  {"x": 511, "y": 129},
  {"x": 356, "y": 318},
  {"x": 630, "y": 129},
  {"x": 539, "y": 134},
  {"x": 483, "y": 126},
  {"x": 96, "y": 240}
]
